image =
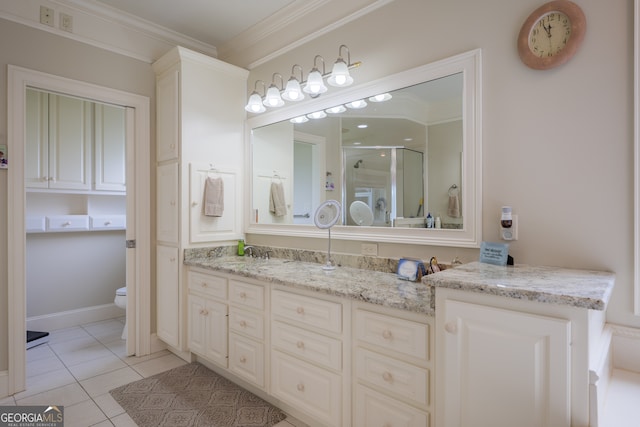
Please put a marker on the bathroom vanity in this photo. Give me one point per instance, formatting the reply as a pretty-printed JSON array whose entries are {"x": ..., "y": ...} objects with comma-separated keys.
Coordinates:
[{"x": 358, "y": 347}]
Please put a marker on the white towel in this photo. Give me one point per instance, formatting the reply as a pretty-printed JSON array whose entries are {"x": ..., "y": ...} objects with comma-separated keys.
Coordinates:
[
  {"x": 453, "y": 210},
  {"x": 213, "y": 197},
  {"x": 277, "y": 205}
]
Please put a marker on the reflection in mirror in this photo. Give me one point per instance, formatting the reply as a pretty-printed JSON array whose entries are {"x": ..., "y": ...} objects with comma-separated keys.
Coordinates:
[{"x": 395, "y": 158}]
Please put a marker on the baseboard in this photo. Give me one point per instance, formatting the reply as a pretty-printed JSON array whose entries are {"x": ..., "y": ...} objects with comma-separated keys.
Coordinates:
[
  {"x": 626, "y": 348},
  {"x": 68, "y": 319},
  {"x": 157, "y": 344}
]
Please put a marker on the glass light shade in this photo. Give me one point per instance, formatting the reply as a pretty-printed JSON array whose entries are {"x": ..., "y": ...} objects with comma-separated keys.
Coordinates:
[
  {"x": 315, "y": 85},
  {"x": 317, "y": 115},
  {"x": 361, "y": 103},
  {"x": 254, "y": 105},
  {"x": 340, "y": 76},
  {"x": 381, "y": 97},
  {"x": 273, "y": 98},
  {"x": 299, "y": 119},
  {"x": 293, "y": 92},
  {"x": 336, "y": 110}
]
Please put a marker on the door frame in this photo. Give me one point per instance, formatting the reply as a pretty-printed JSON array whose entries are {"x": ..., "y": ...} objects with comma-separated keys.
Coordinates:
[{"x": 138, "y": 199}]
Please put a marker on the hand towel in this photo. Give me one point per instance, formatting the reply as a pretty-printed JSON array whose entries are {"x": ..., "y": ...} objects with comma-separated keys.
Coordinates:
[
  {"x": 277, "y": 205},
  {"x": 453, "y": 210},
  {"x": 213, "y": 197}
]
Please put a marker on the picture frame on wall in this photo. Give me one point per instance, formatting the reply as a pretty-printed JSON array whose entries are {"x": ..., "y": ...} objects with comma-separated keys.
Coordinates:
[{"x": 4, "y": 162}]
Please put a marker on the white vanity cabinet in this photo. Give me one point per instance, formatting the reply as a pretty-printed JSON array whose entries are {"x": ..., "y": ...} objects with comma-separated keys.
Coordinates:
[
  {"x": 247, "y": 325},
  {"x": 392, "y": 364},
  {"x": 506, "y": 362},
  {"x": 200, "y": 126},
  {"x": 308, "y": 355},
  {"x": 208, "y": 316}
]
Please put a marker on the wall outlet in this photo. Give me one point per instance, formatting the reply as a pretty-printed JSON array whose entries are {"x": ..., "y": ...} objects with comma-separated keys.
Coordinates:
[
  {"x": 66, "y": 22},
  {"x": 46, "y": 16},
  {"x": 369, "y": 249},
  {"x": 510, "y": 233}
]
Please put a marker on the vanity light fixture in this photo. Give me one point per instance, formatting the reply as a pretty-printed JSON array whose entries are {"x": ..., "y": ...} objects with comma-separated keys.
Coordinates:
[
  {"x": 293, "y": 91},
  {"x": 255, "y": 100},
  {"x": 315, "y": 84},
  {"x": 361, "y": 103},
  {"x": 299, "y": 119},
  {"x": 273, "y": 98},
  {"x": 336, "y": 110},
  {"x": 317, "y": 115},
  {"x": 363, "y": 126},
  {"x": 380, "y": 98},
  {"x": 296, "y": 88},
  {"x": 340, "y": 76}
]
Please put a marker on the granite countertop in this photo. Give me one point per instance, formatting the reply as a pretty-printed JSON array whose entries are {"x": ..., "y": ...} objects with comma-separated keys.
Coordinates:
[
  {"x": 576, "y": 288},
  {"x": 363, "y": 285}
]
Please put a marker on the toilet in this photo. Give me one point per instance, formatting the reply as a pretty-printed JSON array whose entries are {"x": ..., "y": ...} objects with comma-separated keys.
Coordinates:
[{"x": 121, "y": 301}]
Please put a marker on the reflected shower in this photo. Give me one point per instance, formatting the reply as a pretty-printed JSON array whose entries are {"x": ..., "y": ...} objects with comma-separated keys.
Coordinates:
[{"x": 358, "y": 163}]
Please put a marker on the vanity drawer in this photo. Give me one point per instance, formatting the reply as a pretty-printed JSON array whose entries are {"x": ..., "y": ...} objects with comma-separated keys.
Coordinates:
[
  {"x": 393, "y": 376},
  {"x": 246, "y": 322},
  {"x": 213, "y": 286},
  {"x": 67, "y": 222},
  {"x": 373, "y": 409},
  {"x": 108, "y": 222},
  {"x": 308, "y": 388},
  {"x": 246, "y": 294},
  {"x": 314, "y": 312},
  {"x": 392, "y": 333},
  {"x": 246, "y": 359},
  {"x": 307, "y": 345}
]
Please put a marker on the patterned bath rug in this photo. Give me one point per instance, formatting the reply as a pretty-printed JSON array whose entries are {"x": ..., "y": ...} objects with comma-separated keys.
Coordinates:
[{"x": 194, "y": 396}]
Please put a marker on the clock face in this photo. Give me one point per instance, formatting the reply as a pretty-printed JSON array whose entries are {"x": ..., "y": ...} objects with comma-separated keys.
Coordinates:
[{"x": 550, "y": 34}]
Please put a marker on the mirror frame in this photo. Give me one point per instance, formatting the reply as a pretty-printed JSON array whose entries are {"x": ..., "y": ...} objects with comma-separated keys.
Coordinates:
[{"x": 470, "y": 236}]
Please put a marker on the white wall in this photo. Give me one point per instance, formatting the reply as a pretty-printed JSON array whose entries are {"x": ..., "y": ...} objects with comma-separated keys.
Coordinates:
[{"x": 557, "y": 144}]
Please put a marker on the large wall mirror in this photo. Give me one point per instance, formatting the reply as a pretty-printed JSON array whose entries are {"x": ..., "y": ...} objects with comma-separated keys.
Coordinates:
[{"x": 394, "y": 152}]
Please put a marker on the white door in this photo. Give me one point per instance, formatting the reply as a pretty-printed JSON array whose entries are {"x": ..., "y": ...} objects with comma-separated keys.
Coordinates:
[{"x": 504, "y": 368}]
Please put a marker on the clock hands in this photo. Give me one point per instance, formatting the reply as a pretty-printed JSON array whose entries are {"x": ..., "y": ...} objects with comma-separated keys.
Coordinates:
[{"x": 547, "y": 29}]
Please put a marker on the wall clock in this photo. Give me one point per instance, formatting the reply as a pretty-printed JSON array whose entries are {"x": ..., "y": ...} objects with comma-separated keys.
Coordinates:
[{"x": 551, "y": 35}]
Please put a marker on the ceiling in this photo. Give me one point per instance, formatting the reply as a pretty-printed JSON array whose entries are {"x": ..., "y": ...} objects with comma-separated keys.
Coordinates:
[{"x": 210, "y": 21}]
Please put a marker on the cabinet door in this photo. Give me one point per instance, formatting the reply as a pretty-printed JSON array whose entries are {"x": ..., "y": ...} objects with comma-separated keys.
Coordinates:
[
  {"x": 70, "y": 142},
  {"x": 504, "y": 368},
  {"x": 167, "y": 115},
  {"x": 167, "y": 202},
  {"x": 217, "y": 331},
  {"x": 110, "y": 147},
  {"x": 37, "y": 140},
  {"x": 168, "y": 295},
  {"x": 197, "y": 324}
]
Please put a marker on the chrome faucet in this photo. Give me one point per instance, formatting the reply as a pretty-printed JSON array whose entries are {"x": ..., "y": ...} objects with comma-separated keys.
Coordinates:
[{"x": 249, "y": 251}]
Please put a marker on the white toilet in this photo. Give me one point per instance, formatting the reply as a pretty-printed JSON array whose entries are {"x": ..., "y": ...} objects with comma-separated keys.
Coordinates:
[{"x": 121, "y": 301}]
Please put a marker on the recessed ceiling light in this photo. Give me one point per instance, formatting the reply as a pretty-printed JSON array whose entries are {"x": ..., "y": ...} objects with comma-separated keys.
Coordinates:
[
  {"x": 363, "y": 126},
  {"x": 408, "y": 139}
]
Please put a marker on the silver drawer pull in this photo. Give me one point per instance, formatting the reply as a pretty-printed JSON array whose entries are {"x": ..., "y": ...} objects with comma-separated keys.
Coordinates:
[
  {"x": 300, "y": 344},
  {"x": 300, "y": 310},
  {"x": 204, "y": 284},
  {"x": 243, "y": 324},
  {"x": 386, "y": 334},
  {"x": 243, "y": 295},
  {"x": 300, "y": 387},
  {"x": 387, "y": 377},
  {"x": 243, "y": 359}
]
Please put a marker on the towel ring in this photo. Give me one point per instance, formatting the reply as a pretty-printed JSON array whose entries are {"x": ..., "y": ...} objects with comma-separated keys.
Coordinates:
[{"x": 453, "y": 190}]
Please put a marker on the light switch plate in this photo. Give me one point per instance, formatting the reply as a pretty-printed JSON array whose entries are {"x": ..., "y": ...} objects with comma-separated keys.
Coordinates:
[
  {"x": 510, "y": 233},
  {"x": 46, "y": 16}
]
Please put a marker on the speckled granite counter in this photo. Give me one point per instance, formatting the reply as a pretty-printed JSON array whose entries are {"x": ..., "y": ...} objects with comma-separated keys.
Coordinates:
[
  {"x": 363, "y": 285},
  {"x": 577, "y": 288}
]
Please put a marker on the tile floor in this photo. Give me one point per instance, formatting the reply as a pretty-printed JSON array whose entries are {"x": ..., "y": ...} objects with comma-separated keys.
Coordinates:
[{"x": 78, "y": 367}]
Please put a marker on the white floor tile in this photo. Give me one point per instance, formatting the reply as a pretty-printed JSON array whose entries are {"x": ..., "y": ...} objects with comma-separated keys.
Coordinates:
[
  {"x": 106, "y": 423},
  {"x": 117, "y": 347},
  {"x": 8, "y": 401},
  {"x": 62, "y": 335},
  {"x": 101, "y": 384},
  {"x": 86, "y": 354},
  {"x": 73, "y": 345},
  {"x": 160, "y": 364},
  {"x": 84, "y": 413},
  {"x": 94, "y": 367},
  {"x": 43, "y": 365},
  {"x": 105, "y": 331},
  {"x": 108, "y": 404},
  {"x": 132, "y": 360},
  {"x": 39, "y": 352},
  {"x": 46, "y": 381},
  {"x": 123, "y": 420},
  {"x": 65, "y": 396}
]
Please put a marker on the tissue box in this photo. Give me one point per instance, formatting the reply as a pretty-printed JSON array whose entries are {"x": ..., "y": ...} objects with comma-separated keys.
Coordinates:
[{"x": 411, "y": 269}]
